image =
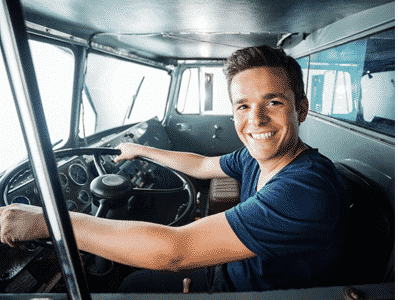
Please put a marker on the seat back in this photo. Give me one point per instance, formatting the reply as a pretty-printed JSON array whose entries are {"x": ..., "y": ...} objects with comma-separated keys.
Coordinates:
[{"x": 369, "y": 253}]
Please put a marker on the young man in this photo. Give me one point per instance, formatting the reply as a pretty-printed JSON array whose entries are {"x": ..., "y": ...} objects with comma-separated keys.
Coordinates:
[{"x": 287, "y": 232}]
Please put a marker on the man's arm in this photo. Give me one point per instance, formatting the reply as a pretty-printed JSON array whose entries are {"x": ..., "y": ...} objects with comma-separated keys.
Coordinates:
[
  {"x": 195, "y": 165},
  {"x": 159, "y": 247},
  {"x": 208, "y": 241}
]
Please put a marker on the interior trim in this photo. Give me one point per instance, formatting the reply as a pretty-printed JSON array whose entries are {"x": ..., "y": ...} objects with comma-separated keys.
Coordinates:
[
  {"x": 346, "y": 30},
  {"x": 364, "y": 131}
]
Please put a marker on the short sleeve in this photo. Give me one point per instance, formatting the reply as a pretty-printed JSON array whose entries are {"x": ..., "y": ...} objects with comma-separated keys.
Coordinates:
[{"x": 232, "y": 164}]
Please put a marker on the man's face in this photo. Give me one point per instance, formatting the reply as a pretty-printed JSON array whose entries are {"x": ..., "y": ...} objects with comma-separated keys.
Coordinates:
[{"x": 266, "y": 119}]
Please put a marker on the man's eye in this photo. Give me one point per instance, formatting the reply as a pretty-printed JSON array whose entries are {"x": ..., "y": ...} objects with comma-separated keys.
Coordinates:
[
  {"x": 275, "y": 102},
  {"x": 241, "y": 107}
]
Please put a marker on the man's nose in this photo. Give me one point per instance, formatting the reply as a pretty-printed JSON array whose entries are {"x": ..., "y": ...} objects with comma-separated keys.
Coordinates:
[{"x": 258, "y": 116}]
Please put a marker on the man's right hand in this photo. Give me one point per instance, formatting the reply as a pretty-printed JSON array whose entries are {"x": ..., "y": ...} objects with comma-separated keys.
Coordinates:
[
  {"x": 129, "y": 151},
  {"x": 19, "y": 222}
]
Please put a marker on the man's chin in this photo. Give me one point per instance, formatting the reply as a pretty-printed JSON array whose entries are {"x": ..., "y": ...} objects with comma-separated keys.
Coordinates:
[{"x": 260, "y": 153}]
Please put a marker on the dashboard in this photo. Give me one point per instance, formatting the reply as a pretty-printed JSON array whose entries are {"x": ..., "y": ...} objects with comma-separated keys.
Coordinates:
[
  {"x": 77, "y": 172},
  {"x": 75, "y": 175},
  {"x": 32, "y": 268}
]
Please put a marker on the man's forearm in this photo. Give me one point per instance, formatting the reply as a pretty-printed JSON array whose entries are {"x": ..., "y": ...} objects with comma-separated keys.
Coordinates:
[
  {"x": 192, "y": 164},
  {"x": 139, "y": 244}
]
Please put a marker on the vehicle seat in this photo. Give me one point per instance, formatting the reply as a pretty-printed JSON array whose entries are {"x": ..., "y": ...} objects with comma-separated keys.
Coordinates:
[
  {"x": 369, "y": 255},
  {"x": 224, "y": 193}
]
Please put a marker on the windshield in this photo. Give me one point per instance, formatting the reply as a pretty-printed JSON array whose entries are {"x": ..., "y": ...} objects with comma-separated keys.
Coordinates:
[
  {"x": 54, "y": 67},
  {"x": 119, "y": 92}
]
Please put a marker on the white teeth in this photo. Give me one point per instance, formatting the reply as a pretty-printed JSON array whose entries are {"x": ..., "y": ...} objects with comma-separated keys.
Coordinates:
[{"x": 262, "y": 136}]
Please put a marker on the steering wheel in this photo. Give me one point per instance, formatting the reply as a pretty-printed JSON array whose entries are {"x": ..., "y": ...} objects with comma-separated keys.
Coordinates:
[{"x": 109, "y": 189}]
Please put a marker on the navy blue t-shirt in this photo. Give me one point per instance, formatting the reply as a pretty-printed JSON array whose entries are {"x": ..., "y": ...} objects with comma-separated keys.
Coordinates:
[{"x": 296, "y": 224}]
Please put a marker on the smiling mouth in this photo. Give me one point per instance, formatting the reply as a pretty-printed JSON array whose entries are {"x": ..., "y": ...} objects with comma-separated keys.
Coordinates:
[{"x": 262, "y": 136}]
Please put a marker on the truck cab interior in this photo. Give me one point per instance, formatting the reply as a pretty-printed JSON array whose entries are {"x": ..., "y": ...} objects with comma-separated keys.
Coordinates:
[{"x": 80, "y": 77}]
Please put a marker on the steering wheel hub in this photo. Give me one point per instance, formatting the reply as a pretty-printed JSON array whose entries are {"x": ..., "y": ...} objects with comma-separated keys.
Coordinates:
[
  {"x": 113, "y": 180},
  {"x": 112, "y": 187}
]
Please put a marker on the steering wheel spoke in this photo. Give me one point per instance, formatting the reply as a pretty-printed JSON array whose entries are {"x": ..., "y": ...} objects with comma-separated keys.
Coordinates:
[
  {"x": 143, "y": 191},
  {"x": 45, "y": 243}
]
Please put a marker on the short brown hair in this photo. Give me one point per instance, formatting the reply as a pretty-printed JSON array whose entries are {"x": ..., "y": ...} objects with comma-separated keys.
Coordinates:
[{"x": 266, "y": 56}]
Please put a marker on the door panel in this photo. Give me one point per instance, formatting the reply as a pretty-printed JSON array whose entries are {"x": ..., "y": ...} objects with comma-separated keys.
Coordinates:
[
  {"x": 203, "y": 134},
  {"x": 342, "y": 143},
  {"x": 201, "y": 121}
]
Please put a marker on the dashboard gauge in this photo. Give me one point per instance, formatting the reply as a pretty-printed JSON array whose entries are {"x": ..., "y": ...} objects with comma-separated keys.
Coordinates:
[
  {"x": 64, "y": 179},
  {"x": 71, "y": 206},
  {"x": 21, "y": 199},
  {"x": 83, "y": 196},
  {"x": 78, "y": 174}
]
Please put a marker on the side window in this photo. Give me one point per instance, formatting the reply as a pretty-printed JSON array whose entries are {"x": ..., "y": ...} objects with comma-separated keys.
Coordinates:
[
  {"x": 13, "y": 147},
  {"x": 204, "y": 91},
  {"x": 304, "y": 64},
  {"x": 356, "y": 82},
  {"x": 54, "y": 67}
]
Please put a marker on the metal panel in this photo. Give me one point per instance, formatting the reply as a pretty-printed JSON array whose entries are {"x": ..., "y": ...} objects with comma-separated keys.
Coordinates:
[
  {"x": 385, "y": 291},
  {"x": 203, "y": 134},
  {"x": 353, "y": 27},
  {"x": 341, "y": 143},
  {"x": 173, "y": 27}
]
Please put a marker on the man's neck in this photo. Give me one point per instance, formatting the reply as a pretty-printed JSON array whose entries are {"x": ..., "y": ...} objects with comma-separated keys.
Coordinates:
[{"x": 273, "y": 166}]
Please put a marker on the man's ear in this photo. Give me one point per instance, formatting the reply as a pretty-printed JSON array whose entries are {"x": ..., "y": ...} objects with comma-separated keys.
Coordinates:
[{"x": 302, "y": 110}]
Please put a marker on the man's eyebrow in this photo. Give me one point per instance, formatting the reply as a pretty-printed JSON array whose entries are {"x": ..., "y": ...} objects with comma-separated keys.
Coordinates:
[
  {"x": 265, "y": 97},
  {"x": 239, "y": 101},
  {"x": 274, "y": 95}
]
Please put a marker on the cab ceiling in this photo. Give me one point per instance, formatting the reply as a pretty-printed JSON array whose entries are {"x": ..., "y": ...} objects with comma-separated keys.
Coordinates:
[{"x": 188, "y": 29}]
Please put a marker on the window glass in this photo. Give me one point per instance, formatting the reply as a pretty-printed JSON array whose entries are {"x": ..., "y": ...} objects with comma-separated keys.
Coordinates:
[
  {"x": 123, "y": 92},
  {"x": 54, "y": 67},
  {"x": 54, "y": 72},
  {"x": 188, "y": 99},
  {"x": 13, "y": 147},
  {"x": 356, "y": 82},
  {"x": 304, "y": 64},
  {"x": 204, "y": 91}
]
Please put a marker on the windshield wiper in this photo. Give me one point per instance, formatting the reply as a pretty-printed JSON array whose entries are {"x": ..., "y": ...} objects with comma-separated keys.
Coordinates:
[
  {"x": 130, "y": 108},
  {"x": 57, "y": 143}
]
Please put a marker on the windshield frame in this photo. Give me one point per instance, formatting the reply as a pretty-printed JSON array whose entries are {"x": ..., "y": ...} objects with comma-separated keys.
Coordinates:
[
  {"x": 80, "y": 52},
  {"x": 19, "y": 66},
  {"x": 69, "y": 139}
]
